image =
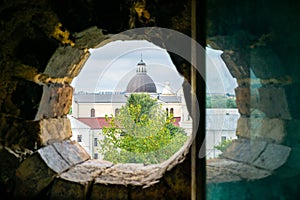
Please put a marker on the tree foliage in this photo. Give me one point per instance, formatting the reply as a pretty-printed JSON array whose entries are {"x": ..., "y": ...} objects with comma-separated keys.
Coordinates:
[
  {"x": 222, "y": 146},
  {"x": 220, "y": 101},
  {"x": 141, "y": 132}
]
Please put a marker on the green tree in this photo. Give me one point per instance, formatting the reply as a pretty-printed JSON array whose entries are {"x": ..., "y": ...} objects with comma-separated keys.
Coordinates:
[
  {"x": 231, "y": 103},
  {"x": 141, "y": 132},
  {"x": 222, "y": 146}
]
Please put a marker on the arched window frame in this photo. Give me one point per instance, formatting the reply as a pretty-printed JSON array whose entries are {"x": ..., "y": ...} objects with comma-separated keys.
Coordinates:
[{"x": 93, "y": 112}]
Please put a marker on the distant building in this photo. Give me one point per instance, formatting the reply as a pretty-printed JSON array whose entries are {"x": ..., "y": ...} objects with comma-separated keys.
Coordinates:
[
  {"x": 91, "y": 108},
  {"x": 220, "y": 125}
]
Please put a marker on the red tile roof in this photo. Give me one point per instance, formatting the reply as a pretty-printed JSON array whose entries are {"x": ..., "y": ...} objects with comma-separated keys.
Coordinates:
[
  {"x": 94, "y": 122},
  {"x": 100, "y": 122}
]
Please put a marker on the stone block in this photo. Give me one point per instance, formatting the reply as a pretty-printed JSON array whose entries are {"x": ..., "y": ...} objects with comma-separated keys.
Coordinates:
[
  {"x": 86, "y": 171},
  {"x": 89, "y": 38},
  {"x": 291, "y": 167},
  {"x": 244, "y": 150},
  {"x": 108, "y": 191},
  {"x": 63, "y": 189},
  {"x": 236, "y": 66},
  {"x": 27, "y": 107},
  {"x": 272, "y": 130},
  {"x": 53, "y": 159},
  {"x": 66, "y": 62},
  {"x": 8, "y": 165},
  {"x": 243, "y": 100},
  {"x": 223, "y": 170},
  {"x": 77, "y": 181},
  {"x": 293, "y": 98},
  {"x": 56, "y": 101},
  {"x": 55, "y": 129},
  {"x": 274, "y": 102},
  {"x": 157, "y": 191},
  {"x": 72, "y": 152},
  {"x": 15, "y": 133},
  {"x": 32, "y": 176},
  {"x": 265, "y": 63},
  {"x": 273, "y": 157},
  {"x": 293, "y": 130}
]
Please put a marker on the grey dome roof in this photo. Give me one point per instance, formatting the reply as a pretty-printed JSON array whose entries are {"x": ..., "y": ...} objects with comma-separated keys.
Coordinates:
[{"x": 141, "y": 82}]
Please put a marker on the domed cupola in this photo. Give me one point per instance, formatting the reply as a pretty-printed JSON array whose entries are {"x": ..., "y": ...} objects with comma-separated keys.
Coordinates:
[{"x": 141, "y": 82}]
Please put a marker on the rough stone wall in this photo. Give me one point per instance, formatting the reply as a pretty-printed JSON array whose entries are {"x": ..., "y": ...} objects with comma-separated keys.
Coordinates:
[
  {"x": 44, "y": 44},
  {"x": 260, "y": 50}
]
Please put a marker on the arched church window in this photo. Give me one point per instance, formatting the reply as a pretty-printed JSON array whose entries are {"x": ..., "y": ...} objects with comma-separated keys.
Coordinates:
[
  {"x": 92, "y": 112},
  {"x": 172, "y": 111}
]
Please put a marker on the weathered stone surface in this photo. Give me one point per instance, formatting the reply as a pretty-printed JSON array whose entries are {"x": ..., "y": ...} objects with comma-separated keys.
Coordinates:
[
  {"x": 293, "y": 98},
  {"x": 237, "y": 67},
  {"x": 244, "y": 150},
  {"x": 272, "y": 130},
  {"x": 16, "y": 133},
  {"x": 27, "y": 107},
  {"x": 224, "y": 170},
  {"x": 293, "y": 128},
  {"x": 265, "y": 64},
  {"x": 53, "y": 159},
  {"x": 72, "y": 152},
  {"x": 89, "y": 38},
  {"x": 273, "y": 157},
  {"x": 56, "y": 101},
  {"x": 130, "y": 173},
  {"x": 102, "y": 191},
  {"x": 63, "y": 189},
  {"x": 85, "y": 172},
  {"x": 55, "y": 129},
  {"x": 66, "y": 62},
  {"x": 158, "y": 191},
  {"x": 32, "y": 176},
  {"x": 243, "y": 100},
  {"x": 273, "y": 102},
  {"x": 77, "y": 181},
  {"x": 8, "y": 165}
]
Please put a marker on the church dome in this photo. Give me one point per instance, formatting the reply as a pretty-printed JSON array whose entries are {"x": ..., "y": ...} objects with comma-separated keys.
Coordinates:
[{"x": 141, "y": 82}]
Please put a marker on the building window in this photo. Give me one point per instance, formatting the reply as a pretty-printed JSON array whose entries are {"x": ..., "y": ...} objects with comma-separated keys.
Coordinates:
[
  {"x": 117, "y": 110},
  {"x": 172, "y": 111},
  {"x": 167, "y": 111},
  {"x": 223, "y": 138},
  {"x": 95, "y": 155},
  {"x": 79, "y": 138},
  {"x": 92, "y": 112},
  {"x": 95, "y": 142}
]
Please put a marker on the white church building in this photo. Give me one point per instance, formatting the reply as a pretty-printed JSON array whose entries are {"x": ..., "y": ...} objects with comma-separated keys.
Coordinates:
[{"x": 89, "y": 111}]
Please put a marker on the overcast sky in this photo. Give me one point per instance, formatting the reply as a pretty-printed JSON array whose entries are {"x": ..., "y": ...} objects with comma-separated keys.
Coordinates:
[{"x": 113, "y": 65}]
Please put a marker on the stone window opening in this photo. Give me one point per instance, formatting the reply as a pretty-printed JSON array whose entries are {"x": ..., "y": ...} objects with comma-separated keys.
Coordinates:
[
  {"x": 115, "y": 96},
  {"x": 77, "y": 169},
  {"x": 71, "y": 166},
  {"x": 264, "y": 154}
]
